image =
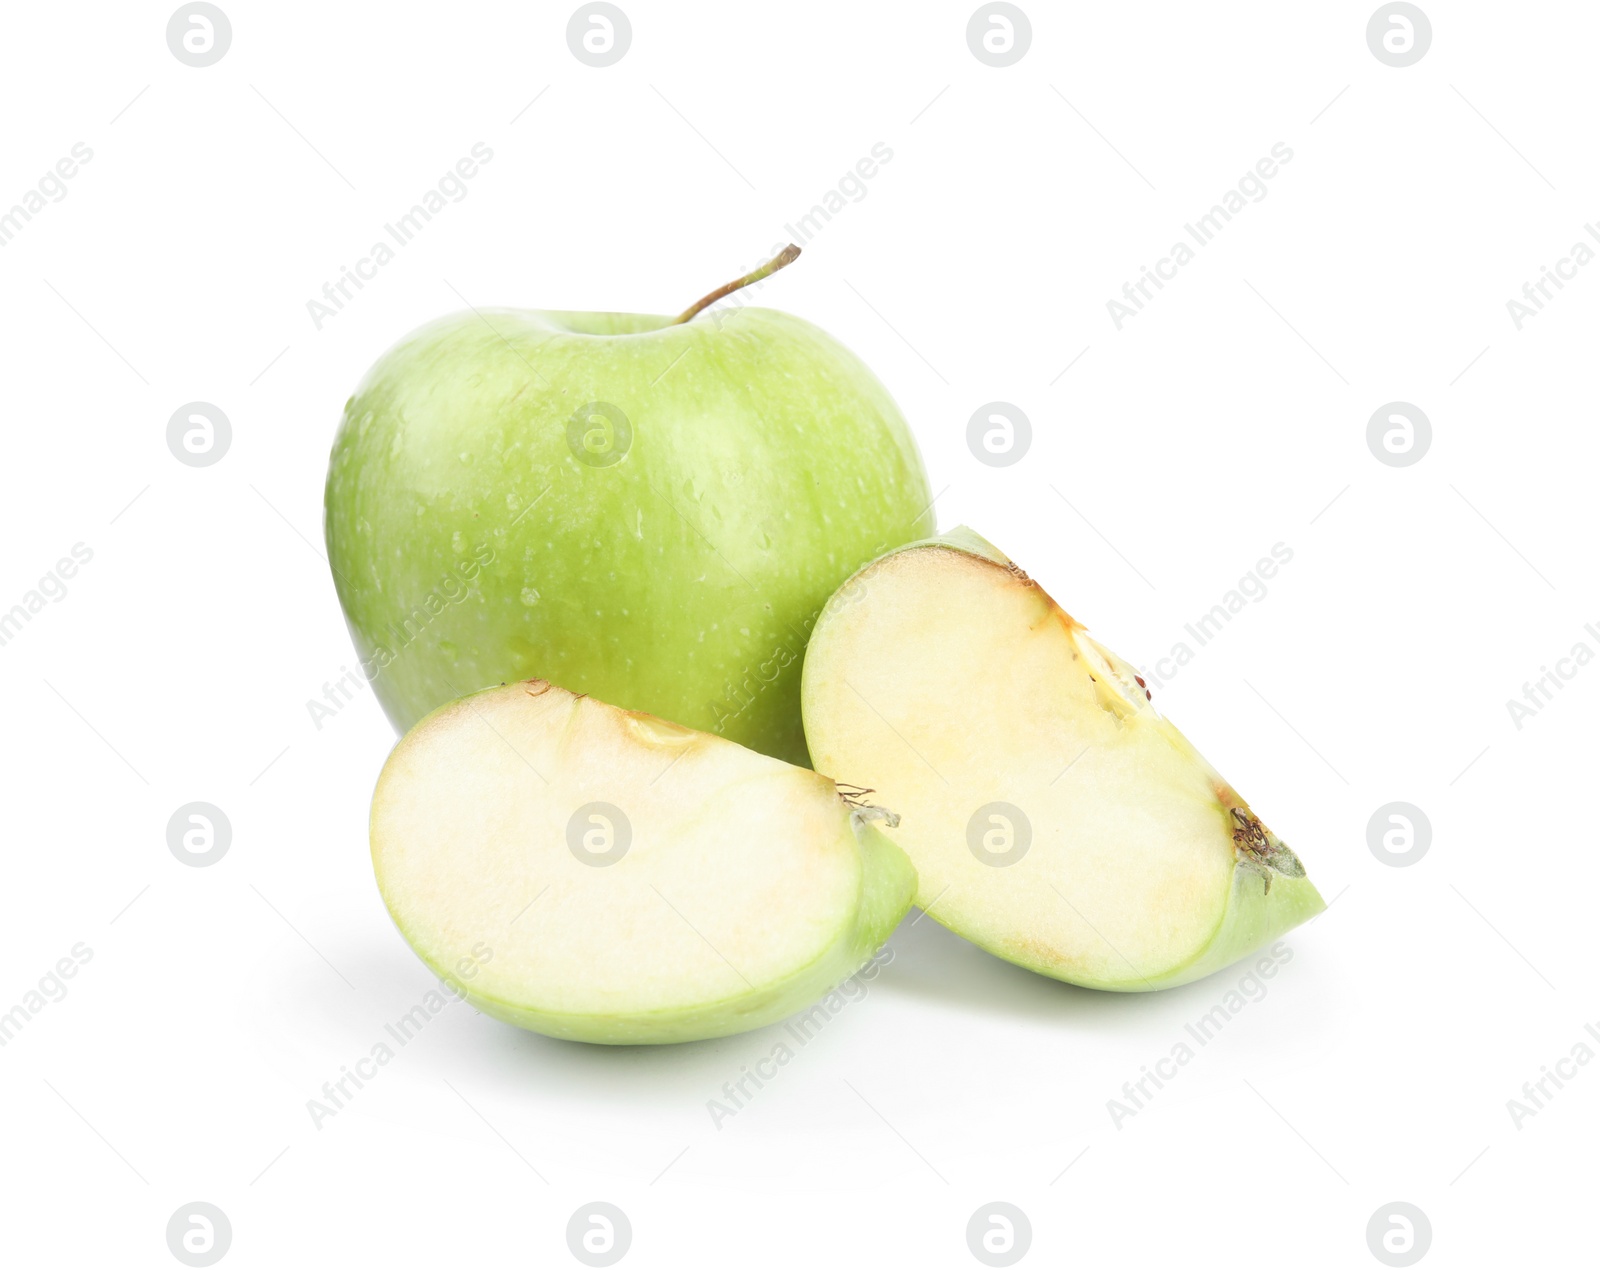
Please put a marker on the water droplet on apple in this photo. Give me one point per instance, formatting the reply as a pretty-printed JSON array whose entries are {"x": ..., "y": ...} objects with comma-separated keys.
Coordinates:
[{"x": 530, "y": 597}]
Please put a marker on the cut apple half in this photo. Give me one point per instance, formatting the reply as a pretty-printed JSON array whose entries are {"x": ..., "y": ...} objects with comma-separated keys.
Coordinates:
[
  {"x": 1053, "y": 816},
  {"x": 596, "y": 874}
]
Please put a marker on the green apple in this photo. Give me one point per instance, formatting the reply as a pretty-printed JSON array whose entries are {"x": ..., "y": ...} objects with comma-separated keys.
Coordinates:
[
  {"x": 652, "y": 510},
  {"x": 603, "y": 875},
  {"x": 1053, "y": 816}
]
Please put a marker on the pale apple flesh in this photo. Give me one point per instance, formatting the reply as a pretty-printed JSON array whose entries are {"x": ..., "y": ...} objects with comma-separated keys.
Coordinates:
[
  {"x": 612, "y": 877},
  {"x": 948, "y": 681}
]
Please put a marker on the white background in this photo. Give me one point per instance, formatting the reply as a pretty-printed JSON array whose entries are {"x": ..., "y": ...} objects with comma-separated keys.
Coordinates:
[{"x": 1228, "y": 416}]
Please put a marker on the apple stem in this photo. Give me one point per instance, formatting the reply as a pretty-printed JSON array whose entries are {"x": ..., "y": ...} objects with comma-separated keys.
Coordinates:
[{"x": 787, "y": 256}]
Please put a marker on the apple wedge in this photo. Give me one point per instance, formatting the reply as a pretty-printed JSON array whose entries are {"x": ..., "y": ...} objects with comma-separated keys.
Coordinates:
[
  {"x": 1053, "y": 816},
  {"x": 602, "y": 875}
]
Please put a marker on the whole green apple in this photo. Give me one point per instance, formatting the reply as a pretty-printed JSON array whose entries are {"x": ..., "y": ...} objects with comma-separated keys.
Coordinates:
[{"x": 649, "y": 510}]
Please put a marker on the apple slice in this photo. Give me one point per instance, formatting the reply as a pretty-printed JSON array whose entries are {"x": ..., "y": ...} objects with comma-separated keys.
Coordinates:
[
  {"x": 1053, "y": 816},
  {"x": 603, "y": 875}
]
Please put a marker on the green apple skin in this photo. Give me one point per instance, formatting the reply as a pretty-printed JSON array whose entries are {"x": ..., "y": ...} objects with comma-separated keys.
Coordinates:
[{"x": 488, "y": 521}]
